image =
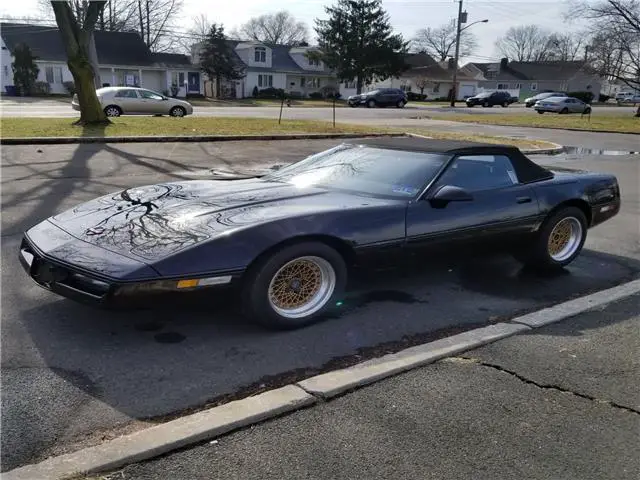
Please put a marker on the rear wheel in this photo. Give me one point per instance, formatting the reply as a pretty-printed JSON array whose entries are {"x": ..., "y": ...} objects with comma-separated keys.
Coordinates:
[
  {"x": 587, "y": 111},
  {"x": 564, "y": 111},
  {"x": 112, "y": 111},
  {"x": 540, "y": 112},
  {"x": 296, "y": 286},
  {"x": 558, "y": 242},
  {"x": 400, "y": 104},
  {"x": 177, "y": 112}
]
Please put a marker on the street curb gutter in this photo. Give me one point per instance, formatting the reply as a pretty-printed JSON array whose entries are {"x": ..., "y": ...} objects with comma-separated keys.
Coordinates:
[
  {"x": 555, "y": 149},
  {"x": 168, "y": 436},
  {"x": 197, "y": 427}
]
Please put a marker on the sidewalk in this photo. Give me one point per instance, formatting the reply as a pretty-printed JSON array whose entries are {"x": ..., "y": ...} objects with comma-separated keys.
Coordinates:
[{"x": 561, "y": 402}]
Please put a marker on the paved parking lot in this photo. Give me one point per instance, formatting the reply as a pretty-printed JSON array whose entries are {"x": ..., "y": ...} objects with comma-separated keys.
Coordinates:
[{"x": 70, "y": 371}]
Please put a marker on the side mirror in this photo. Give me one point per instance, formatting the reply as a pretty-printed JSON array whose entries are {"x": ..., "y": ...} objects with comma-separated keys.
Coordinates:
[{"x": 449, "y": 193}]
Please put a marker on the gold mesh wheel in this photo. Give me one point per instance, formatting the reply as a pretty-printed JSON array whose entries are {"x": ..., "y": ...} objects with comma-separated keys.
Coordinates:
[
  {"x": 302, "y": 286},
  {"x": 564, "y": 239}
]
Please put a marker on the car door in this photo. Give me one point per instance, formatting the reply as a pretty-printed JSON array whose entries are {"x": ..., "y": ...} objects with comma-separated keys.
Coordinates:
[
  {"x": 152, "y": 102},
  {"x": 501, "y": 207},
  {"x": 128, "y": 100}
]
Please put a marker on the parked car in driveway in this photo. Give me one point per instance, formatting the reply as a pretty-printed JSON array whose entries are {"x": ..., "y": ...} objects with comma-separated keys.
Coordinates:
[
  {"x": 562, "y": 105},
  {"x": 380, "y": 97},
  {"x": 491, "y": 99},
  {"x": 286, "y": 241},
  {"x": 628, "y": 97},
  {"x": 531, "y": 101},
  {"x": 118, "y": 101}
]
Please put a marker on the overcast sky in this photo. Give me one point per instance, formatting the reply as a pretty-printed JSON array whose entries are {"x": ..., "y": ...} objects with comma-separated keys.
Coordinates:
[{"x": 406, "y": 16}]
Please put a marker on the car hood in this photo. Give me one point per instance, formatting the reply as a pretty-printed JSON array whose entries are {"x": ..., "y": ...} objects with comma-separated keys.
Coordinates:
[{"x": 155, "y": 221}]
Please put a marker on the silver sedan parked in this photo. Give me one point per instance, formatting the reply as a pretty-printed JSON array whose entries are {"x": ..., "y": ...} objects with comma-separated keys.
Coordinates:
[
  {"x": 118, "y": 101},
  {"x": 562, "y": 105}
]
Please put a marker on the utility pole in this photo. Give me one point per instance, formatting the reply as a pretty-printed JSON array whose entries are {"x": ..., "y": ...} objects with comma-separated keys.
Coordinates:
[{"x": 454, "y": 87}]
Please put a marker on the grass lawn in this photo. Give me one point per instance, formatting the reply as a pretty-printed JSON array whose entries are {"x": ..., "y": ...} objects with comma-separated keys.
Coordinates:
[
  {"x": 626, "y": 123},
  {"x": 145, "y": 126},
  {"x": 149, "y": 126}
]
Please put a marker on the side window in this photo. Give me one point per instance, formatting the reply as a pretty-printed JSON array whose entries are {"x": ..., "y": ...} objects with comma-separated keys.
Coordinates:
[
  {"x": 126, "y": 94},
  {"x": 480, "y": 172},
  {"x": 150, "y": 95}
]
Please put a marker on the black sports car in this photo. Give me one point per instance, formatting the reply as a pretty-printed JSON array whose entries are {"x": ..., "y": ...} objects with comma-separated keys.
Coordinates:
[{"x": 288, "y": 239}]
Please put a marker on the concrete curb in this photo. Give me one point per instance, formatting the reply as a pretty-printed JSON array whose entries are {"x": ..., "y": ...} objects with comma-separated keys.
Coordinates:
[
  {"x": 216, "y": 421},
  {"x": 168, "y": 436},
  {"x": 184, "y": 138}
]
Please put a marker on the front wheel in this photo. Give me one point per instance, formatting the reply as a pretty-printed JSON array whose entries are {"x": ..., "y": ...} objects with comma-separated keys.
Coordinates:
[
  {"x": 559, "y": 240},
  {"x": 296, "y": 286},
  {"x": 371, "y": 104},
  {"x": 177, "y": 112},
  {"x": 540, "y": 112},
  {"x": 112, "y": 111}
]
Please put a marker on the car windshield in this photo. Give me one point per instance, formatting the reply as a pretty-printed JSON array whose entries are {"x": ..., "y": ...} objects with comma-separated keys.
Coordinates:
[
  {"x": 372, "y": 92},
  {"x": 483, "y": 95},
  {"x": 365, "y": 170}
]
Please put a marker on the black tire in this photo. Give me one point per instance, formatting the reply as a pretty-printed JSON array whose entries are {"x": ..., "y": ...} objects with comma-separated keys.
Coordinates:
[
  {"x": 371, "y": 103},
  {"x": 400, "y": 104},
  {"x": 486, "y": 104},
  {"x": 505, "y": 104},
  {"x": 177, "y": 112},
  {"x": 540, "y": 112},
  {"x": 255, "y": 292},
  {"x": 352, "y": 105},
  {"x": 564, "y": 111},
  {"x": 112, "y": 111},
  {"x": 537, "y": 253}
]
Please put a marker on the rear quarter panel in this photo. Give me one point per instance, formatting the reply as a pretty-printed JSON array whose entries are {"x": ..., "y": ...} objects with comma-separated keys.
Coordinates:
[{"x": 595, "y": 190}]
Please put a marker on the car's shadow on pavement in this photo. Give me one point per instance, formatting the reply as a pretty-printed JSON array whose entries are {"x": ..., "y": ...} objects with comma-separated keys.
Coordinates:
[{"x": 179, "y": 353}]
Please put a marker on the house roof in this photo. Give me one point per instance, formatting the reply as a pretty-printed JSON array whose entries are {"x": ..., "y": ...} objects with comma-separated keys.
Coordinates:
[
  {"x": 552, "y": 70},
  {"x": 281, "y": 60},
  {"x": 45, "y": 42},
  {"x": 437, "y": 73},
  {"x": 502, "y": 73},
  {"x": 172, "y": 60}
]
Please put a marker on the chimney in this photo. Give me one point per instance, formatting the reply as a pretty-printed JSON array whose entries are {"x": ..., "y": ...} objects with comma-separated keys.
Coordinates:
[{"x": 503, "y": 63}]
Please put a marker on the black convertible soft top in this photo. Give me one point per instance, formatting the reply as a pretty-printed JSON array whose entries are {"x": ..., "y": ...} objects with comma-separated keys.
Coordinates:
[{"x": 525, "y": 168}]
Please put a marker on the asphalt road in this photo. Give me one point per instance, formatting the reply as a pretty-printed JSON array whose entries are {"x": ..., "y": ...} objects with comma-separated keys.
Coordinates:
[
  {"x": 561, "y": 402},
  {"x": 58, "y": 109},
  {"x": 73, "y": 375}
]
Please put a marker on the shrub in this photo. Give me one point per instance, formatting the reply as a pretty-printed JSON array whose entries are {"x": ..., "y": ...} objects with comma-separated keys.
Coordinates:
[
  {"x": 586, "y": 97},
  {"x": 604, "y": 98},
  {"x": 316, "y": 95},
  {"x": 416, "y": 97},
  {"x": 255, "y": 92},
  {"x": 25, "y": 70},
  {"x": 70, "y": 87},
  {"x": 41, "y": 88},
  {"x": 271, "y": 92}
]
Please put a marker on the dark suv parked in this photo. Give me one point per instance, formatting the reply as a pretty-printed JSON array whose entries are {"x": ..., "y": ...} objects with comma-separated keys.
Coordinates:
[
  {"x": 380, "y": 97},
  {"x": 491, "y": 99}
]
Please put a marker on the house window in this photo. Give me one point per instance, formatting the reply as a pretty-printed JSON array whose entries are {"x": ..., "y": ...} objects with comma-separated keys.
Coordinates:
[
  {"x": 436, "y": 88},
  {"x": 53, "y": 74},
  {"x": 6, "y": 71},
  {"x": 491, "y": 74},
  {"x": 518, "y": 85},
  {"x": 350, "y": 84},
  {"x": 534, "y": 87},
  {"x": 265, "y": 80},
  {"x": 260, "y": 54},
  {"x": 177, "y": 79},
  {"x": 314, "y": 62},
  {"x": 503, "y": 86},
  {"x": 303, "y": 81},
  {"x": 315, "y": 82}
]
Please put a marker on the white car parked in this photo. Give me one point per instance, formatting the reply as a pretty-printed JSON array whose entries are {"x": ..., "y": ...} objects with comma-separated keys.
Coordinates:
[{"x": 118, "y": 101}]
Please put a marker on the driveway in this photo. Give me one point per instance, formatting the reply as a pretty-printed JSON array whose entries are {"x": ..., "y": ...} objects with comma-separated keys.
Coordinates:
[{"x": 73, "y": 375}]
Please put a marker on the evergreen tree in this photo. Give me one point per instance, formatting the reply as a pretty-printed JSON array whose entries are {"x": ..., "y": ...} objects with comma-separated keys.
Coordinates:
[
  {"x": 357, "y": 41},
  {"x": 217, "y": 58},
  {"x": 25, "y": 70}
]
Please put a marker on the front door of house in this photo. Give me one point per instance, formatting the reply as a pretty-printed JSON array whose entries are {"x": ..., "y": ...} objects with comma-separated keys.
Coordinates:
[{"x": 194, "y": 82}]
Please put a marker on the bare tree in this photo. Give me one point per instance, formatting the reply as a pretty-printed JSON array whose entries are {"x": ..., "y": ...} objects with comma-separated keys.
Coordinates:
[
  {"x": 525, "y": 43},
  {"x": 117, "y": 15},
  {"x": 615, "y": 41},
  {"x": 197, "y": 33},
  {"x": 155, "y": 22},
  {"x": 440, "y": 42},
  {"x": 77, "y": 36},
  {"x": 566, "y": 47},
  {"x": 279, "y": 28}
]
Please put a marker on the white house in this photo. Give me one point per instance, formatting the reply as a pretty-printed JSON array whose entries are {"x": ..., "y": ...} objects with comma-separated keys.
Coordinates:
[
  {"x": 278, "y": 66},
  {"x": 124, "y": 59}
]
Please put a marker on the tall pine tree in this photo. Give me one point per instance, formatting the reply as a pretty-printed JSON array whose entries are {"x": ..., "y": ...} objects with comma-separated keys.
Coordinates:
[
  {"x": 217, "y": 58},
  {"x": 357, "y": 41}
]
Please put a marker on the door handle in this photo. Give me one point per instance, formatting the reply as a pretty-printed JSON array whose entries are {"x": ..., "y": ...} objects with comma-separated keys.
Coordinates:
[{"x": 523, "y": 199}]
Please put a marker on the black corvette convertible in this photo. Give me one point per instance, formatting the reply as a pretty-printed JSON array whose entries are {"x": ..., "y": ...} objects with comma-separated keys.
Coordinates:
[{"x": 288, "y": 239}]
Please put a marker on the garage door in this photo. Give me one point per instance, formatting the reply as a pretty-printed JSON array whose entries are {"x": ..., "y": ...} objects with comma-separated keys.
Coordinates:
[
  {"x": 467, "y": 91},
  {"x": 153, "y": 80}
]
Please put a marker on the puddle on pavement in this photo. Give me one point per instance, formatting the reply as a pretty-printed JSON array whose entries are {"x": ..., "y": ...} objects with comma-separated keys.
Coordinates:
[{"x": 595, "y": 151}]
